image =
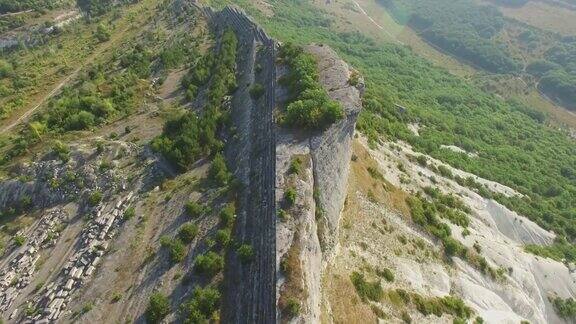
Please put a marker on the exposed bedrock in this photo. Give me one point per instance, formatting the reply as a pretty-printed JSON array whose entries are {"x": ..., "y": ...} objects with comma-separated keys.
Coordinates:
[
  {"x": 332, "y": 149},
  {"x": 250, "y": 295},
  {"x": 307, "y": 238}
]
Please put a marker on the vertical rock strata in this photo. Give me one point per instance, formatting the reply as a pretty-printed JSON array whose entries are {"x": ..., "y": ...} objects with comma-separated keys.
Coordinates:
[
  {"x": 250, "y": 286},
  {"x": 254, "y": 152}
]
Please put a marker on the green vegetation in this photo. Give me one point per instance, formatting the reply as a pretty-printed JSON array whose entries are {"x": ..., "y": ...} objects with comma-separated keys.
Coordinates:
[
  {"x": 188, "y": 232},
  {"x": 228, "y": 215},
  {"x": 256, "y": 90},
  {"x": 366, "y": 290},
  {"x": 158, "y": 308},
  {"x": 425, "y": 214},
  {"x": 129, "y": 213},
  {"x": 189, "y": 137},
  {"x": 194, "y": 209},
  {"x": 310, "y": 106},
  {"x": 445, "y": 305},
  {"x": 386, "y": 274},
  {"x": 95, "y": 198},
  {"x": 566, "y": 308},
  {"x": 209, "y": 263},
  {"x": 219, "y": 171},
  {"x": 203, "y": 306},
  {"x": 295, "y": 166},
  {"x": 290, "y": 196},
  {"x": 102, "y": 33},
  {"x": 176, "y": 248},
  {"x": 560, "y": 250},
  {"x": 449, "y": 207},
  {"x": 7, "y": 6},
  {"x": 459, "y": 27},
  {"x": 246, "y": 253},
  {"x": 292, "y": 308},
  {"x": 19, "y": 240}
]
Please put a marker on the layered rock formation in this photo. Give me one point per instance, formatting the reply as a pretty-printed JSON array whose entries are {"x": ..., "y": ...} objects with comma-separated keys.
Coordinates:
[{"x": 250, "y": 294}]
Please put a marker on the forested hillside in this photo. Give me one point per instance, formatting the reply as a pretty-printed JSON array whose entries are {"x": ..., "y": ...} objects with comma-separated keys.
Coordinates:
[{"x": 478, "y": 34}]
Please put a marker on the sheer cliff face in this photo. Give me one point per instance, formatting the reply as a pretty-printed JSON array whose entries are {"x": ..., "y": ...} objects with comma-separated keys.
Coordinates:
[{"x": 306, "y": 234}]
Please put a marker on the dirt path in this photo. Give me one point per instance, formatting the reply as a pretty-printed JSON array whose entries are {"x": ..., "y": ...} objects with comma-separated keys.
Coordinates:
[
  {"x": 15, "y": 13},
  {"x": 376, "y": 24},
  {"x": 31, "y": 111}
]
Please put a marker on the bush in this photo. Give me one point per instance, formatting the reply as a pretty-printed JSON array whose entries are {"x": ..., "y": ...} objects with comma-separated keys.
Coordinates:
[
  {"x": 209, "y": 264},
  {"x": 61, "y": 150},
  {"x": 256, "y": 90},
  {"x": 295, "y": 166},
  {"x": 19, "y": 240},
  {"x": 223, "y": 237},
  {"x": 219, "y": 171},
  {"x": 194, "y": 209},
  {"x": 188, "y": 232},
  {"x": 565, "y": 308},
  {"x": 176, "y": 249},
  {"x": 245, "y": 253},
  {"x": 366, "y": 290},
  {"x": 290, "y": 196},
  {"x": 129, "y": 213},
  {"x": 95, "y": 198},
  {"x": 6, "y": 69},
  {"x": 228, "y": 215},
  {"x": 102, "y": 33},
  {"x": 292, "y": 307},
  {"x": 386, "y": 274},
  {"x": 201, "y": 307},
  {"x": 158, "y": 308}
]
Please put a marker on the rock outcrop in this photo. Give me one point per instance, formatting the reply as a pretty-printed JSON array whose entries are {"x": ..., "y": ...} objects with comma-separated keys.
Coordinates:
[
  {"x": 309, "y": 235},
  {"x": 250, "y": 293}
]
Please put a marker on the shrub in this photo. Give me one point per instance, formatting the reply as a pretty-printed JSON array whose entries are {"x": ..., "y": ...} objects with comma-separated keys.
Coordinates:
[
  {"x": 366, "y": 290},
  {"x": 194, "y": 209},
  {"x": 245, "y": 253},
  {"x": 219, "y": 171},
  {"x": 295, "y": 166},
  {"x": 223, "y": 237},
  {"x": 406, "y": 317},
  {"x": 227, "y": 215},
  {"x": 19, "y": 240},
  {"x": 201, "y": 307},
  {"x": 95, "y": 198},
  {"x": 61, "y": 150},
  {"x": 176, "y": 249},
  {"x": 292, "y": 307},
  {"x": 6, "y": 69},
  {"x": 290, "y": 196},
  {"x": 129, "y": 213},
  {"x": 188, "y": 232},
  {"x": 566, "y": 308},
  {"x": 158, "y": 308},
  {"x": 256, "y": 90},
  {"x": 209, "y": 264},
  {"x": 310, "y": 106},
  {"x": 386, "y": 274},
  {"x": 102, "y": 33}
]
